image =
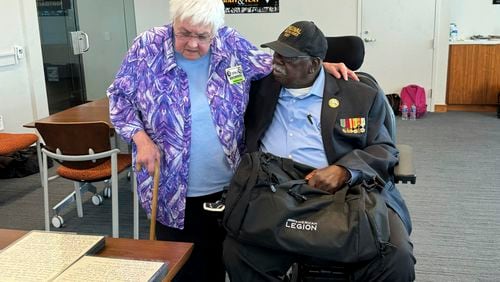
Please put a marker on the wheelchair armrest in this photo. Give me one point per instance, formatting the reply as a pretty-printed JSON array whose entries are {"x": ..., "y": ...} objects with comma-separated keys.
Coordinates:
[{"x": 404, "y": 171}]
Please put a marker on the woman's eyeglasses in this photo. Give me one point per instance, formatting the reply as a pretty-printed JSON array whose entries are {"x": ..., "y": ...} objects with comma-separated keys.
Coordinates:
[{"x": 204, "y": 38}]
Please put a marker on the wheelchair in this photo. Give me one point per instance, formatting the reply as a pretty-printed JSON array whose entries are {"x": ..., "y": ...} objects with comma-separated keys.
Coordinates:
[{"x": 351, "y": 51}]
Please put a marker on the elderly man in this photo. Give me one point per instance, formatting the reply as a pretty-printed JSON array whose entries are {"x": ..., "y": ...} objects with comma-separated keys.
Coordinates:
[{"x": 301, "y": 112}]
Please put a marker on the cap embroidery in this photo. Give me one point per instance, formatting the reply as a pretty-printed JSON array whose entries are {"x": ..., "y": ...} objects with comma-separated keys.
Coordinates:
[{"x": 292, "y": 31}]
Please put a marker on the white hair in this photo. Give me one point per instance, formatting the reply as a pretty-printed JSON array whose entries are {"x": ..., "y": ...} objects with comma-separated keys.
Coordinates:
[{"x": 199, "y": 12}]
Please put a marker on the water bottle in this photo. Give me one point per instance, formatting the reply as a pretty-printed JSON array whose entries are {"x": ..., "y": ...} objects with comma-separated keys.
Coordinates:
[
  {"x": 413, "y": 112},
  {"x": 404, "y": 113},
  {"x": 453, "y": 32}
]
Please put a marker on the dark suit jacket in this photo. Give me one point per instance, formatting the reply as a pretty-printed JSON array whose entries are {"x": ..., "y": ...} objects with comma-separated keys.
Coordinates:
[{"x": 369, "y": 150}]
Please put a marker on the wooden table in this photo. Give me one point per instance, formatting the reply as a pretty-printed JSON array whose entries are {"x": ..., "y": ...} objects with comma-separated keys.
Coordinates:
[
  {"x": 92, "y": 111},
  {"x": 175, "y": 254}
]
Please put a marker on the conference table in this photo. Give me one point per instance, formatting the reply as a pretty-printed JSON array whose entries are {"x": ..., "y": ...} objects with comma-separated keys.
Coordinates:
[
  {"x": 97, "y": 110},
  {"x": 175, "y": 254}
]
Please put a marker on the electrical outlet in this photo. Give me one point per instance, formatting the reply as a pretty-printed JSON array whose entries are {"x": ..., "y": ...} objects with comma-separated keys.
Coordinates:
[{"x": 1, "y": 123}]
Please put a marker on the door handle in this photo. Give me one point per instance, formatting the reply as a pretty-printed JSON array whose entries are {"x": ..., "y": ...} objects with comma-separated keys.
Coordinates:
[
  {"x": 367, "y": 38},
  {"x": 80, "y": 42},
  {"x": 84, "y": 42}
]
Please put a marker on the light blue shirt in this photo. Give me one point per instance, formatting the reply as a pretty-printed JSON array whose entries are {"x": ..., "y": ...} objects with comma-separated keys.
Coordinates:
[
  {"x": 295, "y": 131},
  {"x": 209, "y": 171}
]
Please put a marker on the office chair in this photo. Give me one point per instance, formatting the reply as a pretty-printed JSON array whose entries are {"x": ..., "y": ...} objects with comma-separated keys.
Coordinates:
[
  {"x": 84, "y": 152},
  {"x": 351, "y": 51},
  {"x": 13, "y": 142}
]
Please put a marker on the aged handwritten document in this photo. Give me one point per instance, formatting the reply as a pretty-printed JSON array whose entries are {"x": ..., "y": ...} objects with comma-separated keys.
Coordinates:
[
  {"x": 42, "y": 256},
  {"x": 90, "y": 268}
]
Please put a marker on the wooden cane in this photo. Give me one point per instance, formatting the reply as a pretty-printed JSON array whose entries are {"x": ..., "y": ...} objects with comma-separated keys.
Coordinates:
[{"x": 154, "y": 201}]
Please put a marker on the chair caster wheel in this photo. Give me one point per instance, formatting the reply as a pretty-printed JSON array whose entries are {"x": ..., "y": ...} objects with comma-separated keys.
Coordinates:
[
  {"x": 57, "y": 221},
  {"x": 107, "y": 192},
  {"x": 97, "y": 199}
]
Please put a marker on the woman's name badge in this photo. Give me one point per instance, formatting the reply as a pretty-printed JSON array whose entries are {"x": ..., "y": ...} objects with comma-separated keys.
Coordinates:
[{"x": 235, "y": 74}]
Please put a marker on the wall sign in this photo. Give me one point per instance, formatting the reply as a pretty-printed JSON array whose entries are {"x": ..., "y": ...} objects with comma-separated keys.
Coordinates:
[
  {"x": 496, "y": 2},
  {"x": 251, "y": 6}
]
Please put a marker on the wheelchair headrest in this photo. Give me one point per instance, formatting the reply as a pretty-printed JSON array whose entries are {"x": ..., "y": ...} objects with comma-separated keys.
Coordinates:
[{"x": 349, "y": 50}]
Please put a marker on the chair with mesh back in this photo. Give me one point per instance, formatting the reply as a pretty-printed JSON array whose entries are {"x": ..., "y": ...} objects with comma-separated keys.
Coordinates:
[
  {"x": 351, "y": 51},
  {"x": 84, "y": 152}
]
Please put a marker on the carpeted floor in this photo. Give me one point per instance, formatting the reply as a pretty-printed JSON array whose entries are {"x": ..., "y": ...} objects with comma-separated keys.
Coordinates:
[
  {"x": 21, "y": 207},
  {"x": 455, "y": 204}
]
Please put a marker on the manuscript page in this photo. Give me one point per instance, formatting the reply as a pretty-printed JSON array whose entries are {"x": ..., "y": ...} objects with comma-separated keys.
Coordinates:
[
  {"x": 41, "y": 255},
  {"x": 90, "y": 268}
]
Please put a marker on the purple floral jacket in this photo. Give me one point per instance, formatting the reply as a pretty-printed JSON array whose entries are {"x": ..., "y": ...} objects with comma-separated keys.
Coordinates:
[{"x": 150, "y": 93}]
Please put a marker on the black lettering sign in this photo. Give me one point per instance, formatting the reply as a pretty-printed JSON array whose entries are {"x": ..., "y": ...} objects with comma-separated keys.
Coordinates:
[{"x": 251, "y": 6}]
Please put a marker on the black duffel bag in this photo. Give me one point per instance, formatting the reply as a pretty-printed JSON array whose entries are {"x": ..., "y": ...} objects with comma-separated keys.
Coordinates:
[
  {"x": 395, "y": 101},
  {"x": 21, "y": 163},
  {"x": 269, "y": 204}
]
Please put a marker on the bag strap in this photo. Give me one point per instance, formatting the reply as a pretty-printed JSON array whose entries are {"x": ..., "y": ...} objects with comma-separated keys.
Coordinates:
[
  {"x": 252, "y": 179},
  {"x": 294, "y": 192},
  {"x": 294, "y": 183},
  {"x": 288, "y": 166},
  {"x": 254, "y": 174}
]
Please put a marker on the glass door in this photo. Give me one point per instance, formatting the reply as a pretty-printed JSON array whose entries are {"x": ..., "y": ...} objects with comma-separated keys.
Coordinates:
[
  {"x": 76, "y": 71},
  {"x": 63, "y": 69}
]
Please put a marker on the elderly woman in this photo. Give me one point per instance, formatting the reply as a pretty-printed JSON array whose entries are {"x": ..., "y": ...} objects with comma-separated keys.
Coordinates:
[{"x": 180, "y": 96}]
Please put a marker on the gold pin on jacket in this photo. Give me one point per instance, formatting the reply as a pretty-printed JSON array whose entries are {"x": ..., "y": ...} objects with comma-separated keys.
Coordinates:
[{"x": 333, "y": 103}]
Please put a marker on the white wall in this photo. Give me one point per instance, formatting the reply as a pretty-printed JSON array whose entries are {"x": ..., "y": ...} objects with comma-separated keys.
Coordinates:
[
  {"x": 475, "y": 17},
  {"x": 22, "y": 87},
  {"x": 150, "y": 13},
  {"x": 335, "y": 17}
]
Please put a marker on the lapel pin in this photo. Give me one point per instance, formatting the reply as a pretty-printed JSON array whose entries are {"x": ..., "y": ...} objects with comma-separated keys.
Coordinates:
[{"x": 333, "y": 103}]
